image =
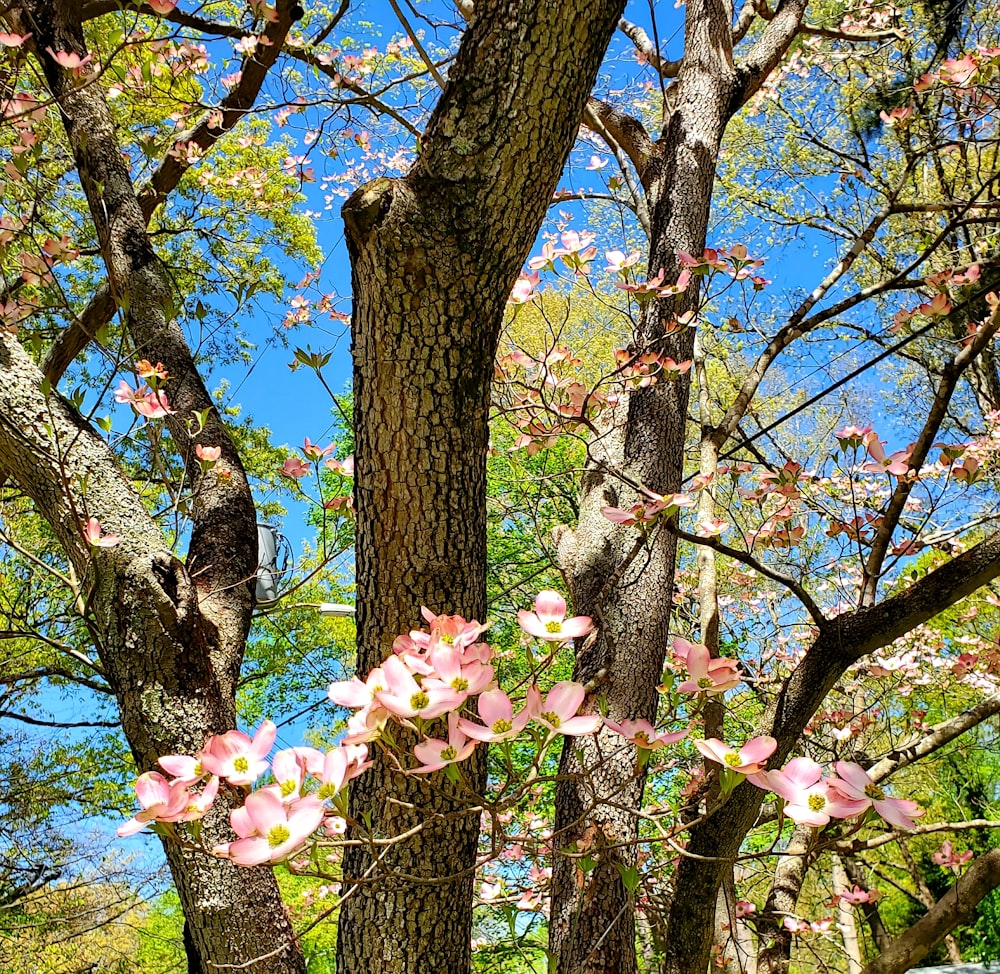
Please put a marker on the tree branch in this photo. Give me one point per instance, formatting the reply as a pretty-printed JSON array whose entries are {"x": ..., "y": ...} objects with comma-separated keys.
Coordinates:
[
  {"x": 625, "y": 132},
  {"x": 939, "y": 735},
  {"x": 645, "y": 46},
  {"x": 760, "y": 567},
  {"x": 214, "y": 124},
  {"x": 860, "y": 845},
  {"x": 768, "y": 50},
  {"x": 951, "y": 373}
]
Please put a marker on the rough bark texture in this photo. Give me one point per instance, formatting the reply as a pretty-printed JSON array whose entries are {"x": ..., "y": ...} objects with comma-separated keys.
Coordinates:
[
  {"x": 592, "y": 927},
  {"x": 433, "y": 258},
  {"x": 171, "y": 634}
]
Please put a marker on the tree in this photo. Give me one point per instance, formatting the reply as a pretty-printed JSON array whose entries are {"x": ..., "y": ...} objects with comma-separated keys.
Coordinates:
[
  {"x": 172, "y": 633},
  {"x": 455, "y": 231}
]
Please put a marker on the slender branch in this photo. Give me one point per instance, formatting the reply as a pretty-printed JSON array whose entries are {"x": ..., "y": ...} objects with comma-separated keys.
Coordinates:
[
  {"x": 641, "y": 210},
  {"x": 861, "y": 845},
  {"x": 874, "y": 36},
  {"x": 758, "y": 566},
  {"x": 951, "y": 373},
  {"x": 50, "y": 671},
  {"x": 794, "y": 326},
  {"x": 939, "y": 735},
  {"x": 643, "y": 44},
  {"x": 37, "y": 722},
  {"x": 414, "y": 36}
]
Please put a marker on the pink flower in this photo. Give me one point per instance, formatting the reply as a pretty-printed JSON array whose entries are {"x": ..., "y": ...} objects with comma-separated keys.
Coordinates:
[
  {"x": 12, "y": 40},
  {"x": 355, "y": 694},
  {"x": 708, "y": 675},
  {"x": 289, "y": 770},
  {"x": 809, "y": 800},
  {"x": 858, "y": 895},
  {"x": 618, "y": 260},
  {"x": 183, "y": 768},
  {"x": 207, "y": 454},
  {"x": 524, "y": 288},
  {"x": 946, "y": 856},
  {"x": 146, "y": 402},
  {"x": 434, "y": 754},
  {"x": 855, "y": 784},
  {"x": 294, "y": 467},
  {"x": 404, "y": 697},
  {"x": 69, "y": 59},
  {"x": 94, "y": 534},
  {"x": 558, "y": 710},
  {"x": 269, "y": 830},
  {"x": 450, "y": 672},
  {"x": 160, "y": 802},
  {"x": 313, "y": 452},
  {"x": 339, "y": 766},
  {"x": 162, "y": 7},
  {"x": 711, "y": 528},
  {"x": 238, "y": 758},
  {"x": 750, "y": 759},
  {"x": 549, "y": 621},
  {"x": 497, "y": 713},
  {"x": 642, "y": 734}
]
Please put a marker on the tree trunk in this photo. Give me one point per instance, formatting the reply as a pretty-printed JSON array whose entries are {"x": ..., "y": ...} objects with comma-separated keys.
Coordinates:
[
  {"x": 433, "y": 258},
  {"x": 592, "y": 928},
  {"x": 171, "y": 635}
]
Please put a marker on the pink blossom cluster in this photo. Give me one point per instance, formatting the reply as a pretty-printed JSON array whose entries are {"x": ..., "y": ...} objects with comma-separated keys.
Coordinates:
[
  {"x": 734, "y": 262},
  {"x": 275, "y": 821},
  {"x": 809, "y": 797},
  {"x": 435, "y": 674}
]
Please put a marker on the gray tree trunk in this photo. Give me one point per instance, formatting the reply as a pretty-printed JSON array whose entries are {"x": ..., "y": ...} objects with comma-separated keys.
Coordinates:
[
  {"x": 170, "y": 635},
  {"x": 592, "y": 929}
]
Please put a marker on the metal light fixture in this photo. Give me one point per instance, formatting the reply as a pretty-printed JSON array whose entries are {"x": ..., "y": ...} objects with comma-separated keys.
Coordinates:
[{"x": 272, "y": 547}]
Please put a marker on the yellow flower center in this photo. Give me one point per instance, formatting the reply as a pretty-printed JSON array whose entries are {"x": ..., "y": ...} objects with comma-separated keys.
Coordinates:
[
  {"x": 460, "y": 684},
  {"x": 502, "y": 726},
  {"x": 733, "y": 760},
  {"x": 706, "y": 683},
  {"x": 816, "y": 802},
  {"x": 550, "y": 717},
  {"x": 419, "y": 700},
  {"x": 198, "y": 769},
  {"x": 447, "y": 639},
  {"x": 287, "y": 787},
  {"x": 241, "y": 764},
  {"x": 278, "y": 834},
  {"x": 327, "y": 790},
  {"x": 553, "y": 626},
  {"x": 449, "y": 754},
  {"x": 874, "y": 792}
]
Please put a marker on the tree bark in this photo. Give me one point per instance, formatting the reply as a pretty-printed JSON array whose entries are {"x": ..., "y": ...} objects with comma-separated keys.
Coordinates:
[
  {"x": 433, "y": 258},
  {"x": 592, "y": 927},
  {"x": 171, "y": 634}
]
